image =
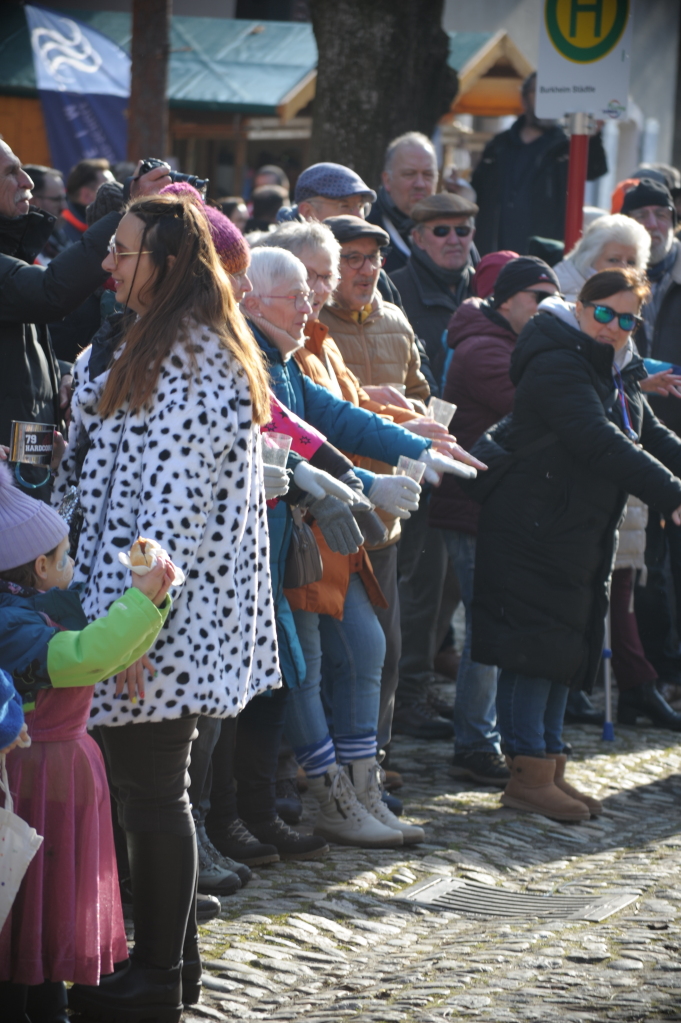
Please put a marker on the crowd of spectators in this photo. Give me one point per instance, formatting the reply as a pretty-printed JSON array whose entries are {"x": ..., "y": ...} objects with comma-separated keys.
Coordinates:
[{"x": 332, "y": 417}]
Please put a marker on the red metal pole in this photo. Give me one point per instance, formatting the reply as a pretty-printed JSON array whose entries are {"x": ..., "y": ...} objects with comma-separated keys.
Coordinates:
[{"x": 579, "y": 151}]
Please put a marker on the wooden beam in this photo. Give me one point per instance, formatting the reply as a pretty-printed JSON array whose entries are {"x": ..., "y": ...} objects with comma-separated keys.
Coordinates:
[{"x": 298, "y": 97}]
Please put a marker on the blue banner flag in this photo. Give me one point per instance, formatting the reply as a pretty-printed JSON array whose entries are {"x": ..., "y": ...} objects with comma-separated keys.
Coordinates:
[{"x": 83, "y": 80}]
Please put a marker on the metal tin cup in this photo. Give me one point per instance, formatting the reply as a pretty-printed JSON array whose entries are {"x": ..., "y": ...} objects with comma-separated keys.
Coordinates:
[
  {"x": 410, "y": 467},
  {"x": 441, "y": 411},
  {"x": 31, "y": 444},
  {"x": 275, "y": 448}
]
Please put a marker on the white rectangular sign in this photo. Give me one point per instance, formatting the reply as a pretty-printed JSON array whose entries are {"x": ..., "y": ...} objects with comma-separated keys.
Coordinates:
[{"x": 584, "y": 58}]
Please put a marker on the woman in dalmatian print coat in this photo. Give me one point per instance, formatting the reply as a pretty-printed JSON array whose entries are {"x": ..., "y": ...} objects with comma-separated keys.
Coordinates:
[{"x": 172, "y": 454}]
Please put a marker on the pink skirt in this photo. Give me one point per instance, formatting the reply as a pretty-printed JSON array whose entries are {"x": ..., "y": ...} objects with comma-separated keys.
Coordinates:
[{"x": 66, "y": 922}]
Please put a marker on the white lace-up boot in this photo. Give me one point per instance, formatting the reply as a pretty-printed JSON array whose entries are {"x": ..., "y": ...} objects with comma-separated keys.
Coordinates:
[
  {"x": 367, "y": 778},
  {"x": 343, "y": 819}
]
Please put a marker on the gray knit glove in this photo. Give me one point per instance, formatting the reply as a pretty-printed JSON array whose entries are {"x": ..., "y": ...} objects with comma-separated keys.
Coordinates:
[{"x": 337, "y": 524}]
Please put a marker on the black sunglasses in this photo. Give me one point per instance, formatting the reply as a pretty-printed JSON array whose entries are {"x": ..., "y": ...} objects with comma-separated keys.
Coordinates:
[
  {"x": 442, "y": 230},
  {"x": 539, "y": 296}
]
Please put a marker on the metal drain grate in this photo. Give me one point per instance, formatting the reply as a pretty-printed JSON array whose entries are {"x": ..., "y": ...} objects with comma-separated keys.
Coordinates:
[{"x": 476, "y": 899}]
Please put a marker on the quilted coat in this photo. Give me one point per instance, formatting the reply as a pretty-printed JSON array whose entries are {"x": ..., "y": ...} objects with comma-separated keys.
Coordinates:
[{"x": 547, "y": 534}]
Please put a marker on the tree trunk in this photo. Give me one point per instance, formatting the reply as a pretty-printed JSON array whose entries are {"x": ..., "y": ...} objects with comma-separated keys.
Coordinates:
[
  {"x": 148, "y": 122},
  {"x": 382, "y": 70}
]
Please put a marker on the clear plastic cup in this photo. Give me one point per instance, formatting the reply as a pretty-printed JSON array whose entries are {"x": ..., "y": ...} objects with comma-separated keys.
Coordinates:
[
  {"x": 410, "y": 467},
  {"x": 441, "y": 411},
  {"x": 275, "y": 448}
]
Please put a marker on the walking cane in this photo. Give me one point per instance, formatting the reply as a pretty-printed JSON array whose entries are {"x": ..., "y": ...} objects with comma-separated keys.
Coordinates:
[{"x": 608, "y": 729}]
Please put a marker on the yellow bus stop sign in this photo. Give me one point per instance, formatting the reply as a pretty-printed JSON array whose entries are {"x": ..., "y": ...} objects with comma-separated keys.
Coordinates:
[
  {"x": 586, "y": 30},
  {"x": 584, "y": 58}
]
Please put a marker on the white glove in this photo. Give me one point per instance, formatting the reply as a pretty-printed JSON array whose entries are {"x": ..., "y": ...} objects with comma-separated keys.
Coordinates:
[
  {"x": 319, "y": 484},
  {"x": 398, "y": 495},
  {"x": 437, "y": 464},
  {"x": 275, "y": 479}
]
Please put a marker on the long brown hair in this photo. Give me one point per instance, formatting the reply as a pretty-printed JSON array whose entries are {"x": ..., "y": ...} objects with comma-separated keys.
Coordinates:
[
  {"x": 611, "y": 282},
  {"x": 192, "y": 286}
]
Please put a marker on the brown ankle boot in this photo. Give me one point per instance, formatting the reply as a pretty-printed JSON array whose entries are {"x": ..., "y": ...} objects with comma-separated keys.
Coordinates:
[
  {"x": 532, "y": 788},
  {"x": 594, "y": 805}
]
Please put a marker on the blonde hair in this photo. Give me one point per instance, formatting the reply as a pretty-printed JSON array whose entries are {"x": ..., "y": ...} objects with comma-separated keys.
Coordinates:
[{"x": 192, "y": 286}]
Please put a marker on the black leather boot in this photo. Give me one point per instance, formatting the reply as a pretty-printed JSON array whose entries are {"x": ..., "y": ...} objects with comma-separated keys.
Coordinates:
[
  {"x": 163, "y": 873},
  {"x": 647, "y": 701},
  {"x": 191, "y": 957},
  {"x": 47, "y": 1002},
  {"x": 13, "y": 1002}
]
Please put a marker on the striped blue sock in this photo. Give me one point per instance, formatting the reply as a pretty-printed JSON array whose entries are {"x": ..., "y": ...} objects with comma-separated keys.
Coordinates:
[
  {"x": 317, "y": 758},
  {"x": 356, "y": 747}
]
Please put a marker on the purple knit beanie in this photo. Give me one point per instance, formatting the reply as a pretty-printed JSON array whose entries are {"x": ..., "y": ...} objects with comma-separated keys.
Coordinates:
[
  {"x": 228, "y": 240},
  {"x": 28, "y": 527}
]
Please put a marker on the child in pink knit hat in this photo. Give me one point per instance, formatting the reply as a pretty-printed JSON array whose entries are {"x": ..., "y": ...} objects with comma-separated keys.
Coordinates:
[{"x": 66, "y": 923}]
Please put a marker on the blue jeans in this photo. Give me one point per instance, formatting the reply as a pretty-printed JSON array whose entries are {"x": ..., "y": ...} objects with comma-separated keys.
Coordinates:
[
  {"x": 531, "y": 712},
  {"x": 475, "y": 714},
  {"x": 350, "y": 682}
]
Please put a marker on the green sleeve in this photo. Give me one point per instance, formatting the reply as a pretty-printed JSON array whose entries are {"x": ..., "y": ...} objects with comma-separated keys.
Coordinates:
[{"x": 109, "y": 644}]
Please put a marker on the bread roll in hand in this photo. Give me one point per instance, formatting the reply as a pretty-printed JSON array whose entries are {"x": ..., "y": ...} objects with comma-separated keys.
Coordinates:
[{"x": 144, "y": 552}]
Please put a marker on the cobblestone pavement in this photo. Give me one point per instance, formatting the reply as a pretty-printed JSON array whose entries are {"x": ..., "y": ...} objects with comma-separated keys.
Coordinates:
[{"x": 328, "y": 940}]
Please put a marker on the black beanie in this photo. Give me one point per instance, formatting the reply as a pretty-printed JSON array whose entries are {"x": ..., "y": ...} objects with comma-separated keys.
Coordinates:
[
  {"x": 520, "y": 274},
  {"x": 648, "y": 193}
]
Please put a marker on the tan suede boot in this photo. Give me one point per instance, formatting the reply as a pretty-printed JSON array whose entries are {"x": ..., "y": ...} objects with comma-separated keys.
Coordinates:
[
  {"x": 594, "y": 805},
  {"x": 532, "y": 788}
]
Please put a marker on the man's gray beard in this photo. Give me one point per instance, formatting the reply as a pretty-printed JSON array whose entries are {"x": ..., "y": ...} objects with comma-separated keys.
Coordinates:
[{"x": 659, "y": 251}]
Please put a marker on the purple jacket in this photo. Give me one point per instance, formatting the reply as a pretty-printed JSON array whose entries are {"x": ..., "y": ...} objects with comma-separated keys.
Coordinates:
[{"x": 479, "y": 385}]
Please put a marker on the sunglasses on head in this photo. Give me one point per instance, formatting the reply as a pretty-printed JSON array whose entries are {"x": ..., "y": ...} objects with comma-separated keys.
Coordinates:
[
  {"x": 461, "y": 230},
  {"x": 605, "y": 314}
]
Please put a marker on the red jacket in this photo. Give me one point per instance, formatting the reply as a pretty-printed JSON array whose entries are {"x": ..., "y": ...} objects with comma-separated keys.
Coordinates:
[{"x": 479, "y": 385}]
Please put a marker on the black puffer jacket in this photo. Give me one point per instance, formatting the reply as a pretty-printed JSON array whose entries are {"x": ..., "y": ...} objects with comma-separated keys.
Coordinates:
[
  {"x": 546, "y": 215},
  {"x": 546, "y": 537},
  {"x": 30, "y": 298}
]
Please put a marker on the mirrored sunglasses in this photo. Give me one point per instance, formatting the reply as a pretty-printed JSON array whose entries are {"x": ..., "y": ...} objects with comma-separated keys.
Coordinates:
[{"x": 606, "y": 314}]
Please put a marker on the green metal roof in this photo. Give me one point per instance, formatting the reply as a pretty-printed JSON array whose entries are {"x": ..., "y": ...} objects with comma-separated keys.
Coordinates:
[
  {"x": 464, "y": 45},
  {"x": 215, "y": 63}
]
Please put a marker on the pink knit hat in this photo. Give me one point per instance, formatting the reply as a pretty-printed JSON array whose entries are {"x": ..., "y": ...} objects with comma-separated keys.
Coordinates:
[
  {"x": 229, "y": 242},
  {"x": 28, "y": 527}
]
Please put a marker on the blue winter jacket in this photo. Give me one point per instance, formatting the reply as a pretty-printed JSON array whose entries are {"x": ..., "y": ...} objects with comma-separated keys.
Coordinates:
[{"x": 348, "y": 428}]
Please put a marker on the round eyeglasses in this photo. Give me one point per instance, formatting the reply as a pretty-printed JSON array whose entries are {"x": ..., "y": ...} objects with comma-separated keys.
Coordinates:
[
  {"x": 116, "y": 253},
  {"x": 606, "y": 314},
  {"x": 356, "y": 260}
]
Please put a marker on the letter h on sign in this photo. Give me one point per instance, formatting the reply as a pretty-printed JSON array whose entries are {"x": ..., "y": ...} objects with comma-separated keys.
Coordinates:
[{"x": 579, "y": 7}]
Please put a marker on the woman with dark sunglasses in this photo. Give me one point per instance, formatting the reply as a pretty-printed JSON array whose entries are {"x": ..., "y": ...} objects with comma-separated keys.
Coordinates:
[{"x": 584, "y": 437}]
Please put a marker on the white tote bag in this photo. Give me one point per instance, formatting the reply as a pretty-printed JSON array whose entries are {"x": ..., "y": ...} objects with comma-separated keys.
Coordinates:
[{"x": 18, "y": 845}]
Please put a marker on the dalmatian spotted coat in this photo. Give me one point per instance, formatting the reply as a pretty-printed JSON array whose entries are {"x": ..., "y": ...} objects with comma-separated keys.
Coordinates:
[{"x": 185, "y": 471}]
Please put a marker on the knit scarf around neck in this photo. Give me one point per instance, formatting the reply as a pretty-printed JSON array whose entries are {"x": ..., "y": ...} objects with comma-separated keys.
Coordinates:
[
  {"x": 402, "y": 222},
  {"x": 449, "y": 280}
]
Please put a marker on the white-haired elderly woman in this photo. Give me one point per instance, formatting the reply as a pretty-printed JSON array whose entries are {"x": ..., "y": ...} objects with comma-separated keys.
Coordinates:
[
  {"x": 616, "y": 241},
  {"x": 352, "y": 811}
]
